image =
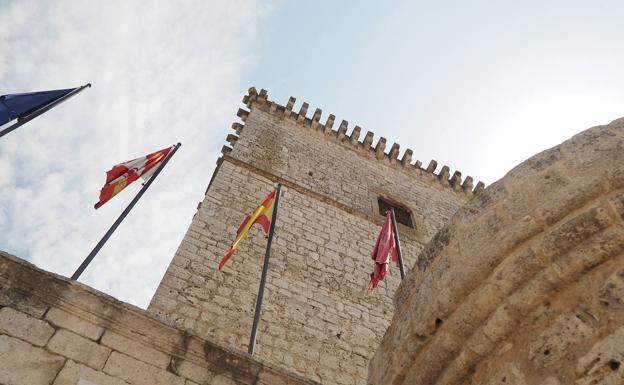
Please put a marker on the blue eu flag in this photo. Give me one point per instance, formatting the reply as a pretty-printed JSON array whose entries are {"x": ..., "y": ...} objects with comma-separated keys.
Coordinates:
[{"x": 17, "y": 106}]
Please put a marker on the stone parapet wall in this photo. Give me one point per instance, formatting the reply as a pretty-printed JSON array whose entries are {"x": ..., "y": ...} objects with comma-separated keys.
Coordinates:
[
  {"x": 56, "y": 331},
  {"x": 525, "y": 285}
]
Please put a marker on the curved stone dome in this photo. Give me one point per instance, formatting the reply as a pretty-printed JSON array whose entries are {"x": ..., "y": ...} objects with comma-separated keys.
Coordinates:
[{"x": 525, "y": 284}]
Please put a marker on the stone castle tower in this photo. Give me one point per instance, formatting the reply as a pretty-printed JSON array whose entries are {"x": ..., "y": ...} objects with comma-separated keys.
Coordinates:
[{"x": 317, "y": 320}]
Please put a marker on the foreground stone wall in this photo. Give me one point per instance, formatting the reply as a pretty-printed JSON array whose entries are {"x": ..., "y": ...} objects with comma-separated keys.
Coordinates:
[
  {"x": 525, "y": 285},
  {"x": 317, "y": 320},
  {"x": 56, "y": 331}
]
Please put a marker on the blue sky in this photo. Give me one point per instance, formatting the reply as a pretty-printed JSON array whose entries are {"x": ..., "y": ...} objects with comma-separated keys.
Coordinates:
[{"x": 478, "y": 85}]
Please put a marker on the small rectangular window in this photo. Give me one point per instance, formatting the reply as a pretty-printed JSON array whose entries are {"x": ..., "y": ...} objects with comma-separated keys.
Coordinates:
[{"x": 401, "y": 214}]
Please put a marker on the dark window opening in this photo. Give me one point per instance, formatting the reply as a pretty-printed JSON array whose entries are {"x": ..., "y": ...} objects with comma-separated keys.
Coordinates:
[{"x": 401, "y": 214}]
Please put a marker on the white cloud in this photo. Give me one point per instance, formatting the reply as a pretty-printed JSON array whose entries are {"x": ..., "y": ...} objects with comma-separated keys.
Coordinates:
[
  {"x": 162, "y": 72},
  {"x": 541, "y": 122}
]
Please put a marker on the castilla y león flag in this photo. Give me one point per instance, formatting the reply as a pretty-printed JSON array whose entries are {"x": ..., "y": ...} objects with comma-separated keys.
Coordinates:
[
  {"x": 384, "y": 248},
  {"x": 261, "y": 215},
  {"x": 125, "y": 173}
]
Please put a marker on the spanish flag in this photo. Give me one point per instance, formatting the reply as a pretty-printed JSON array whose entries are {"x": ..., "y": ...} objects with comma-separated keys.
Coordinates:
[
  {"x": 121, "y": 175},
  {"x": 261, "y": 215}
]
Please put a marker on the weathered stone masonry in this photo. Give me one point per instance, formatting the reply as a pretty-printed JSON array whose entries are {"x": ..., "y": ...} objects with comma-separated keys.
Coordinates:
[
  {"x": 525, "y": 285},
  {"x": 317, "y": 319},
  {"x": 57, "y": 331}
]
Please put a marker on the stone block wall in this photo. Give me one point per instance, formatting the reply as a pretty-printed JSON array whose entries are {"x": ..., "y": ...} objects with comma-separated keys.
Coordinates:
[
  {"x": 56, "y": 331},
  {"x": 338, "y": 167},
  {"x": 525, "y": 285},
  {"x": 317, "y": 321}
]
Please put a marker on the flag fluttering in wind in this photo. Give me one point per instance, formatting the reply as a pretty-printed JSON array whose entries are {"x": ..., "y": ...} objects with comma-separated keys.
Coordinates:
[
  {"x": 125, "y": 173},
  {"x": 120, "y": 176},
  {"x": 261, "y": 215},
  {"x": 385, "y": 248},
  {"x": 17, "y": 106},
  {"x": 266, "y": 216},
  {"x": 27, "y": 106}
]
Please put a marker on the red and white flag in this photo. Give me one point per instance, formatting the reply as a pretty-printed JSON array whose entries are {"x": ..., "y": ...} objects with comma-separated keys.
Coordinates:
[
  {"x": 125, "y": 173},
  {"x": 385, "y": 248}
]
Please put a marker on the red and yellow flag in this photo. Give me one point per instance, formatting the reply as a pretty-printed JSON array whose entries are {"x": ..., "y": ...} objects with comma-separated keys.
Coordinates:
[
  {"x": 125, "y": 173},
  {"x": 261, "y": 215}
]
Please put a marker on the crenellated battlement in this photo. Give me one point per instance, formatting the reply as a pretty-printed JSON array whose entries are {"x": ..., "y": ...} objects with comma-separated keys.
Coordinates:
[{"x": 351, "y": 140}]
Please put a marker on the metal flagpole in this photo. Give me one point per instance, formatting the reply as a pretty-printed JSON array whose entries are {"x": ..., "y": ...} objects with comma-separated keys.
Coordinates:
[
  {"x": 398, "y": 244},
  {"x": 43, "y": 109},
  {"x": 123, "y": 215},
  {"x": 265, "y": 269}
]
